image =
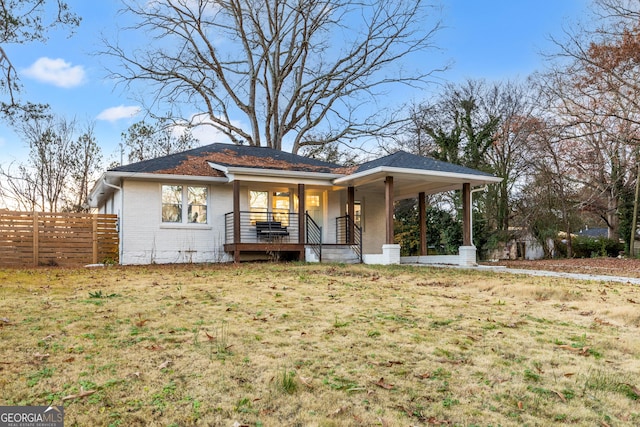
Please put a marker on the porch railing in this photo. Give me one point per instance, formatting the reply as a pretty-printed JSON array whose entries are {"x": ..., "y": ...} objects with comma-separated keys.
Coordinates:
[
  {"x": 262, "y": 227},
  {"x": 314, "y": 236},
  {"x": 349, "y": 233}
]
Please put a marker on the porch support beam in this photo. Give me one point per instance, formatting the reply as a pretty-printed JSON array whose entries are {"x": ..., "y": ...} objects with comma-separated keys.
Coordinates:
[
  {"x": 466, "y": 214},
  {"x": 351, "y": 204},
  {"x": 301, "y": 214},
  {"x": 388, "y": 197},
  {"x": 422, "y": 217},
  {"x": 236, "y": 220}
]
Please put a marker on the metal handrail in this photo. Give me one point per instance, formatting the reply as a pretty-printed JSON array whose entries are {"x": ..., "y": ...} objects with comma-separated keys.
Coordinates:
[
  {"x": 344, "y": 225},
  {"x": 249, "y": 232},
  {"x": 314, "y": 235}
]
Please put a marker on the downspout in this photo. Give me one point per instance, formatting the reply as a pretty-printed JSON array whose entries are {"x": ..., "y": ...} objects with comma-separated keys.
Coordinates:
[
  {"x": 475, "y": 190},
  {"x": 120, "y": 216}
]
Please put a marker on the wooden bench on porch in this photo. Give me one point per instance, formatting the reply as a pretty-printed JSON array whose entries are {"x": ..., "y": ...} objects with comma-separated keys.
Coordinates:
[{"x": 270, "y": 230}]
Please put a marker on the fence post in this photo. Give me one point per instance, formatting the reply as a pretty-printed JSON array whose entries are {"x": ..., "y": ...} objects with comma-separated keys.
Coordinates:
[
  {"x": 95, "y": 239},
  {"x": 36, "y": 243}
]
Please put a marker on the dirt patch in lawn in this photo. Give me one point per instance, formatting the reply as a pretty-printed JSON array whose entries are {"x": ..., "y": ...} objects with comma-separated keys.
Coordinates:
[
  {"x": 319, "y": 345},
  {"x": 597, "y": 266}
]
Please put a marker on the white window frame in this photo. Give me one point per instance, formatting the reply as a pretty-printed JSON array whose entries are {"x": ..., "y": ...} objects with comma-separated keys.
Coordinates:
[{"x": 184, "y": 222}]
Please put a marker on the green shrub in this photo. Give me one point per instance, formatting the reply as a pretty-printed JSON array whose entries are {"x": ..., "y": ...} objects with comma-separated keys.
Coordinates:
[{"x": 587, "y": 247}]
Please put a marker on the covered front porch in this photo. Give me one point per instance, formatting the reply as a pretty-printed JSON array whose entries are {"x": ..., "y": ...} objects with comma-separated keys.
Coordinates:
[
  {"x": 402, "y": 176},
  {"x": 303, "y": 221}
]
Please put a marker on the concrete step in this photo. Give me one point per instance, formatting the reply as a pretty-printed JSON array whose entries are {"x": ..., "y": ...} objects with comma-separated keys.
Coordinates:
[{"x": 339, "y": 253}]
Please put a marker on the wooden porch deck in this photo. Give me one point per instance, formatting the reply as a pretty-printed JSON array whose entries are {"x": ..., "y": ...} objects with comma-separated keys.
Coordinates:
[{"x": 295, "y": 250}]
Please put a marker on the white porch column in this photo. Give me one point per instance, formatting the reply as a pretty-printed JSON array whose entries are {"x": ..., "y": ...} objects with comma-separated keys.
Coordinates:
[
  {"x": 390, "y": 255},
  {"x": 467, "y": 256}
]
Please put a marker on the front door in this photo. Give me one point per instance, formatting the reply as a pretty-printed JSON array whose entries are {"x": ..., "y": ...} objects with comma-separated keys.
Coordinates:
[{"x": 314, "y": 205}]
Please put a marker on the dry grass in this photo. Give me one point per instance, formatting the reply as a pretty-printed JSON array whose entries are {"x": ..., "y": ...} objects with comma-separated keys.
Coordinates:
[{"x": 294, "y": 344}]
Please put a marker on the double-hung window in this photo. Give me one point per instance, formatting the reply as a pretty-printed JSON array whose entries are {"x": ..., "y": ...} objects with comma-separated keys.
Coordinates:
[
  {"x": 258, "y": 206},
  {"x": 184, "y": 204},
  {"x": 279, "y": 201}
]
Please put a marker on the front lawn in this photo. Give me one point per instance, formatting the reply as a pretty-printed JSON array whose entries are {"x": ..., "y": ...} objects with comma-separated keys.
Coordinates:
[{"x": 325, "y": 345}]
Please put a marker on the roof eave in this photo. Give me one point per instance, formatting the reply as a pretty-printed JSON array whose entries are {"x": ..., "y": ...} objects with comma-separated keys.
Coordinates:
[
  {"x": 459, "y": 177},
  {"x": 104, "y": 185},
  {"x": 162, "y": 176},
  {"x": 234, "y": 171}
]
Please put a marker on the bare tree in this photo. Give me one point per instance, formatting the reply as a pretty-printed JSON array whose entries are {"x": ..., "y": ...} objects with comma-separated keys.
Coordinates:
[
  {"x": 459, "y": 125},
  {"x": 551, "y": 198},
  {"x": 291, "y": 69},
  {"x": 507, "y": 157},
  {"x": 480, "y": 125},
  {"x": 86, "y": 165},
  {"x": 24, "y": 21},
  {"x": 332, "y": 153},
  {"x": 59, "y": 168},
  {"x": 594, "y": 89},
  {"x": 147, "y": 141}
]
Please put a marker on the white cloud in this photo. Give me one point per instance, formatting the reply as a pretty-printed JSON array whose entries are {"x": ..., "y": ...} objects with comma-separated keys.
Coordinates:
[
  {"x": 57, "y": 72},
  {"x": 207, "y": 134},
  {"x": 116, "y": 113}
]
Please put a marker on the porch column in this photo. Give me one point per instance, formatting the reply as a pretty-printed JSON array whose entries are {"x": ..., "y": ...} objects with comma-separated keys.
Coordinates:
[
  {"x": 388, "y": 197},
  {"x": 301, "y": 214},
  {"x": 466, "y": 214},
  {"x": 351, "y": 204},
  {"x": 422, "y": 217},
  {"x": 236, "y": 220}
]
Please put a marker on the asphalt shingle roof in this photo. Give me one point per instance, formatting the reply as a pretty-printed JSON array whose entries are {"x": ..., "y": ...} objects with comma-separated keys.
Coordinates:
[
  {"x": 196, "y": 161},
  {"x": 594, "y": 232},
  {"x": 402, "y": 159}
]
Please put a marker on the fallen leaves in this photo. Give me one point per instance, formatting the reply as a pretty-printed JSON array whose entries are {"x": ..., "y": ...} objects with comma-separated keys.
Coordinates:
[
  {"x": 382, "y": 384},
  {"x": 306, "y": 381},
  {"x": 154, "y": 347},
  {"x": 390, "y": 363},
  {"x": 141, "y": 322},
  {"x": 436, "y": 422},
  {"x": 410, "y": 412},
  {"x": 560, "y": 395},
  {"x": 628, "y": 267},
  {"x": 80, "y": 395},
  {"x": 339, "y": 411},
  {"x": 582, "y": 351},
  {"x": 424, "y": 376},
  {"x": 602, "y": 322}
]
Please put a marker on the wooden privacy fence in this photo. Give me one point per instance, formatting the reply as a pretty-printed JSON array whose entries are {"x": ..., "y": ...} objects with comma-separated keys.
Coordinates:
[{"x": 64, "y": 239}]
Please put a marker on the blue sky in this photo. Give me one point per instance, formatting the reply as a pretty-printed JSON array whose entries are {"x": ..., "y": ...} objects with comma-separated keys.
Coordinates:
[{"x": 490, "y": 39}]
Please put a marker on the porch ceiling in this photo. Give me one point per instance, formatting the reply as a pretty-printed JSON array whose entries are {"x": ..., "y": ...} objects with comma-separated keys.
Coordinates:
[{"x": 407, "y": 183}]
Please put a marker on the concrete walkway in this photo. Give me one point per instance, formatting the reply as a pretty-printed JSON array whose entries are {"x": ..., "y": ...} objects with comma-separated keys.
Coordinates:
[
  {"x": 576, "y": 276},
  {"x": 545, "y": 273}
]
